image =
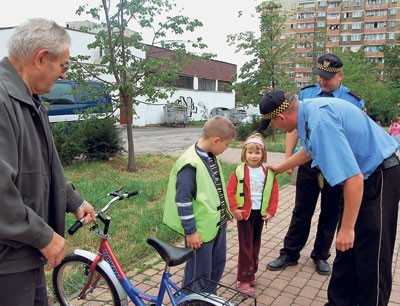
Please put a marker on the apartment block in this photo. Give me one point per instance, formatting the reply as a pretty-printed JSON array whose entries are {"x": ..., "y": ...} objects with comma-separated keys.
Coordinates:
[{"x": 316, "y": 27}]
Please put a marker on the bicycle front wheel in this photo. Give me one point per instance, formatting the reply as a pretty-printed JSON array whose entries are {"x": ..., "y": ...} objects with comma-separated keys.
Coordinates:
[{"x": 71, "y": 276}]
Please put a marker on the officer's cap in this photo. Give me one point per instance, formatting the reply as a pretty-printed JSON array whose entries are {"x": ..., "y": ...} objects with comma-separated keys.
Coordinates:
[
  {"x": 273, "y": 104},
  {"x": 328, "y": 65}
]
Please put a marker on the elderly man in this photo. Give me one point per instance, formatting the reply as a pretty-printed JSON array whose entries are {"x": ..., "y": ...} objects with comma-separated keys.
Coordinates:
[
  {"x": 310, "y": 183},
  {"x": 35, "y": 195},
  {"x": 351, "y": 150}
]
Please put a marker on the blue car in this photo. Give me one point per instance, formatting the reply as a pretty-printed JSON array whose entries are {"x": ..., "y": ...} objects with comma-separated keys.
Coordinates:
[{"x": 70, "y": 99}]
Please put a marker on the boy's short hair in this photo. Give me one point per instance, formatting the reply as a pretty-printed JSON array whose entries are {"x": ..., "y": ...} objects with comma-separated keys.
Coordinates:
[{"x": 219, "y": 126}]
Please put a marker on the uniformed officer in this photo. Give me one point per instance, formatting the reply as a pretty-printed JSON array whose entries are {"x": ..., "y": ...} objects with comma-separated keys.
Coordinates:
[
  {"x": 310, "y": 182},
  {"x": 351, "y": 150}
]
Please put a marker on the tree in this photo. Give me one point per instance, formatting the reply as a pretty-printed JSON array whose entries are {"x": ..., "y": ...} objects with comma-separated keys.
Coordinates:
[
  {"x": 362, "y": 76},
  {"x": 392, "y": 61},
  {"x": 139, "y": 71},
  {"x": 262, "y": 72}
]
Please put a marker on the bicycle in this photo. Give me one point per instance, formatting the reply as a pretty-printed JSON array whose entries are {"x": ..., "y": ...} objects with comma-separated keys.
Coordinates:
[{"x": 85, "y": 278}]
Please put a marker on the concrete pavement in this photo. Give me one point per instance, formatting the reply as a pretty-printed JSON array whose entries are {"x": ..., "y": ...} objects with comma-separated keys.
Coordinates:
[{"x": 296, "y": 285}]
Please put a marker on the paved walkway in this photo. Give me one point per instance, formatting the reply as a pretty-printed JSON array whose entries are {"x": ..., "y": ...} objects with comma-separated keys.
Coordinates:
[{"x": 296, "y": 285}]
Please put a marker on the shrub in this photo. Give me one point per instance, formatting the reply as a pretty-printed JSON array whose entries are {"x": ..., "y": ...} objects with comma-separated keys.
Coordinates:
[
  {"x": 94, "y": 139},
  {"x": 65, "y": 139},
  {"x": 100, "y": 138}
]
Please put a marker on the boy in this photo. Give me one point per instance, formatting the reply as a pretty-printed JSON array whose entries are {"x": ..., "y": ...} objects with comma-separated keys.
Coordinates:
[{"x": 196, "y": 205}]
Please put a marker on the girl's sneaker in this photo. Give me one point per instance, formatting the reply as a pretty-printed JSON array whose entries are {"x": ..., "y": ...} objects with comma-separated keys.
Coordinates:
[
  {"x": 245, "y": 288},
  {"x": 253, "y": 283}
]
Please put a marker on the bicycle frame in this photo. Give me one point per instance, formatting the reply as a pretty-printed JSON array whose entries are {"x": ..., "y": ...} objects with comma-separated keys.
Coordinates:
[{"x": 106, "y": 258}]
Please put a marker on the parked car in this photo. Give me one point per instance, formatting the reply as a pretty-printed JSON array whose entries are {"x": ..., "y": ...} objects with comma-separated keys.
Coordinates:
[
  {"x": 254, "y": 114},
  {"x": 220, "y": 111},
  {"x": 233, "y": 114},
  {"x": 68, "y": 99}
]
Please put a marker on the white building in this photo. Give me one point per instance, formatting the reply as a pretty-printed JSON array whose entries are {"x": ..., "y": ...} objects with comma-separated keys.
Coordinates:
[{"x": 202, "y": 85}]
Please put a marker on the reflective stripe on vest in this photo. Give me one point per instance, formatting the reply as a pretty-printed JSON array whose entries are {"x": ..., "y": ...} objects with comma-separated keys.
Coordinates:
[{"x": 205, "y": 206}]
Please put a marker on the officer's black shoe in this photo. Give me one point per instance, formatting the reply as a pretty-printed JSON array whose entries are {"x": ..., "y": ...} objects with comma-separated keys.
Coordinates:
[
  {"x": 322, "y": 267},
  {"x": 281, "y": 263}
]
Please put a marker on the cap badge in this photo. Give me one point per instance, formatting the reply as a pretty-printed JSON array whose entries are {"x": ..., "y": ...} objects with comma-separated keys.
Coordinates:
[{"x": 326, "y": 63}]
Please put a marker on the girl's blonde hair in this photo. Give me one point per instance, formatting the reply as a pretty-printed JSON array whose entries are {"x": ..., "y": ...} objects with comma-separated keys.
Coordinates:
[{"x": 254, "y": 141}]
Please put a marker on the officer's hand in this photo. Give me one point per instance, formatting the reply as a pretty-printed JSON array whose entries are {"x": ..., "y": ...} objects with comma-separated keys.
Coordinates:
[{"x": 345, "y": 239}]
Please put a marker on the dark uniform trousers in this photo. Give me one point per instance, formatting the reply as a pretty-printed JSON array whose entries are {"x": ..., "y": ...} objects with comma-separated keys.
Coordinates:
[
  {"x": 307, "y": 192},
  {"x": 363, "y": 275}
]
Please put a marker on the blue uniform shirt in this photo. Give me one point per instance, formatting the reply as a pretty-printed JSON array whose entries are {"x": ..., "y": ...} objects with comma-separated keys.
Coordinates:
[
  {"x": 341, "y": 139},
  {"x": 315, "y": 91}
]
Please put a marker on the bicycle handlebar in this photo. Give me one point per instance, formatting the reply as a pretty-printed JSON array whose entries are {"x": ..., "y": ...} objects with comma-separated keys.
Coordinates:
[{"x": 116, "y": 197}]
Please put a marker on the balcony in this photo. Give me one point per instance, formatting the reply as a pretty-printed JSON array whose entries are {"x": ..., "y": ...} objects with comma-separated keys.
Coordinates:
[
  {"x": 375, "y": 6},
  {"x": 375, "y": 30},
  {"x": 375, "y": 18}
]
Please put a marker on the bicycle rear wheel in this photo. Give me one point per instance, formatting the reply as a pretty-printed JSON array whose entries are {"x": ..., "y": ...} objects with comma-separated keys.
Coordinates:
[{"x": 71, "y": 276}]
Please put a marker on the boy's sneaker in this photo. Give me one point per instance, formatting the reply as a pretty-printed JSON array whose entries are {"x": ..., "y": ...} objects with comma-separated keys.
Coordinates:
[
  {"x": 253, "y": 283},
  {"x": 245, "y": 288}
]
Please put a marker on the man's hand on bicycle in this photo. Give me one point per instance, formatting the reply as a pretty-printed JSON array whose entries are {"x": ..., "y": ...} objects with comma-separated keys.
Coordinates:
[
  {"x": 194, "y": 241},
  {"x": 85, "y": 211}
]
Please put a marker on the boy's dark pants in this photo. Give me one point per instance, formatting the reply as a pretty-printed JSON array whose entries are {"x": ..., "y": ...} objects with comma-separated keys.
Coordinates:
[{"x": 208, "y": 261}]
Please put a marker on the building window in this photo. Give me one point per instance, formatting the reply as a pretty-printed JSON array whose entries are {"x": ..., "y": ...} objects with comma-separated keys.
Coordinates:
[
  {"x": 322, "y": 3},
  {"x": 394, "y": 1},
  {"x": 375, "y": 25},
  {"x": 393, "y": 11},
  {"x": 392, "y": 23},
  {"x": 356, "y": 26},
  {"x": 334, "y": 4},
  {"x": 345, "y": 26},
  {"x": 356, "y": 37},
  {"x": 346, "y": 15},
  {"x": 224, "y": 86},
  {"x": 321, "y": 13},
  {"x": 356, "y": 14},
  {"x": 320, "y": 24},
  {"x": 346, "y": 3},
  {"x": 376, "y": 13},
  {"x": 391, "y": 35},
  {"x": 333, "y": 38},
  {"x": 377, "y": 36},
  {"x": 184, "y": 82},
  {"x": 358, "y": 3},
  {"x": 206, "y": 84},
  {"x": 373, "y": 49},
  {"x": 344, "y": 37},
  {"x": 334, "y": 16}
]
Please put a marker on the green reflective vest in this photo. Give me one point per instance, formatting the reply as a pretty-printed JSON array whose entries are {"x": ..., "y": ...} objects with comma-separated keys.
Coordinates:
[
  {"x": 205, "y": 205},
  {"x": 239, "y": 196}
]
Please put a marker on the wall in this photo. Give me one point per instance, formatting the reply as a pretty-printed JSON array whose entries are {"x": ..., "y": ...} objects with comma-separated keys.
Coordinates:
[{"x": 199, "y": 104}]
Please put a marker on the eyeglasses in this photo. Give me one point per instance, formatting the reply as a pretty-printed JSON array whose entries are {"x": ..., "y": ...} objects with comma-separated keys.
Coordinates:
[{"x": 64, "y": 67}]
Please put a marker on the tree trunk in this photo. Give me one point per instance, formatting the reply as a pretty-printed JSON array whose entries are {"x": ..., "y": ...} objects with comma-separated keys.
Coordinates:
[{"x": 131, "y": 151}]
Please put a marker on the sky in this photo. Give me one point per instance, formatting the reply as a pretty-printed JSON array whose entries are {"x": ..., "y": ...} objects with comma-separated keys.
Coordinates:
[{"x": 219, "y": 18}]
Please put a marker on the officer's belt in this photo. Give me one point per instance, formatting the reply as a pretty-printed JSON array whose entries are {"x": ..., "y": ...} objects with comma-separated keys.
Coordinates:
[{"x": 388, "y": 163}]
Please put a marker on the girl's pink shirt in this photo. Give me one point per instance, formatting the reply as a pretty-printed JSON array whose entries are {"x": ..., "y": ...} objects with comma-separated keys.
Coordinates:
[{"x": 394, "y": 129}]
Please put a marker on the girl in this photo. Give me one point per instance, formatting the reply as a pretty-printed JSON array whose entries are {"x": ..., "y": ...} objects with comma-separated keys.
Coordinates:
[
  {"x": 394, "y": 129},
  {"x": 253, "y": 198}
]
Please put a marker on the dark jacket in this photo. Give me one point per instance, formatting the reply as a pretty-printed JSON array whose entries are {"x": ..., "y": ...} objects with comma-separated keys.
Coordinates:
[{"x": 34, "y": 193}]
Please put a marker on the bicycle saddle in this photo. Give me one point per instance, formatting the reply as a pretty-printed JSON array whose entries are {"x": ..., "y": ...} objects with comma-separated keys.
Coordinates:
[{"x": 173, "y": 256}]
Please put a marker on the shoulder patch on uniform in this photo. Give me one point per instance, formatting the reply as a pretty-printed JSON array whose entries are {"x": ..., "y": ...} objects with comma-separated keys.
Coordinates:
[
  {"x": 309, "y": 86},
  {"x": 355, "y": 95}
]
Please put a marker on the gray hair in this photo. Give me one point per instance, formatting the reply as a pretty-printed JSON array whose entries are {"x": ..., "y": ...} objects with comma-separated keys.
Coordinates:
[{"x": 37, "y": 34}]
